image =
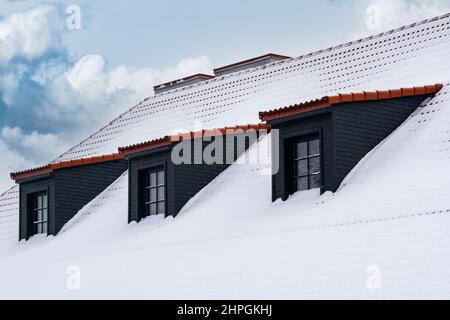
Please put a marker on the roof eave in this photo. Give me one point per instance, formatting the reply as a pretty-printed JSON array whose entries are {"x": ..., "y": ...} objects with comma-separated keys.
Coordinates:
[
  {"x": 40, "y": 171},
  {"x": 327, "y": 101}
]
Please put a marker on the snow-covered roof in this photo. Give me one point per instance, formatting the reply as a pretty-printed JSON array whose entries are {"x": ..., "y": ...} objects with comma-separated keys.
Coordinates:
[
  {"x": 391, "y": 213},
  {"x": 9, "y": 217},
  {"x": 379, "y": 62}
]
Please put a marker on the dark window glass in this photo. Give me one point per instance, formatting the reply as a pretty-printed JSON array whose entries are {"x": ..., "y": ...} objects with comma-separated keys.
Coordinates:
[
  {"x": 314, "y": 147},
  {"x": 302, "y": 150},
  {"x": 314, "y": 181},
  {"x": 302, "y": 167},
  {"x": 307, "y": 164},
  {"x": 39, "y": 209},
  {"x": 154, "y": 192},
  {"x": 314, "y": 165},
  {"x": 302, "y": 183}
]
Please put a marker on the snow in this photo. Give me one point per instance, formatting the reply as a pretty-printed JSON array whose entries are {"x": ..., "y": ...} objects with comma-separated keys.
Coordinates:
[
  {"x": 392, "y": 213},
  {"x": 9, "y": 217},
  {"x": 378, "y": 63}
]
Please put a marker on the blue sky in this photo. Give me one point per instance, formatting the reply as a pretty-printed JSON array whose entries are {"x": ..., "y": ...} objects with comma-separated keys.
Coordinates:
[
  {"x": 58, "y": 85},
  {"x": 160, "y": 33}
]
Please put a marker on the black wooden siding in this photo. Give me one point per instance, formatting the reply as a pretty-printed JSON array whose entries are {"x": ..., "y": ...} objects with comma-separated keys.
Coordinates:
[
  {"x": 77, "y": 186},
  {"x": 190, "y": 179},
  {"x": 361, "y": 126},
  {"x": 182, "y": 181},
  {"x": 348, "y": 132},
  {"x": 69, "y": 190}
]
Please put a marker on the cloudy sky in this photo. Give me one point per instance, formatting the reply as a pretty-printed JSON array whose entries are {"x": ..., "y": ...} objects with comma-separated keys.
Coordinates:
[{"x": 68, "y": 67}]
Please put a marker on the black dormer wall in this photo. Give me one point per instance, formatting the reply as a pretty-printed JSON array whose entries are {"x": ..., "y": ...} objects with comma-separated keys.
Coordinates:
[
  {"x": 69, "y": 190},
  {"x": 361, "y": 126},
  {"x": 183, "y": 181},
  {"x": 77, "y": 186},
  {"x": 348, "y": 132}
]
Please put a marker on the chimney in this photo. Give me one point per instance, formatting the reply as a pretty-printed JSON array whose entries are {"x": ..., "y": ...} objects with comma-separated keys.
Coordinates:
[
  {"x": 196, "y": 78},
  {"x": 250, "y": 63}
]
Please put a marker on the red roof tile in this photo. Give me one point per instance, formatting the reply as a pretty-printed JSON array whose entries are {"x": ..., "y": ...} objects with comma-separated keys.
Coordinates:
[
  {"x": 31, "y": 172},
  {"x": 65, "y": 164},
  {"x": 169, "y": 140},
  {"x": 350, "y": 97},
  {"x": 144, "y": 146}
]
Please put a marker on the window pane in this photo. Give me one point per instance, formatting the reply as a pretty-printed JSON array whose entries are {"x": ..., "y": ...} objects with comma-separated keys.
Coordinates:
[
  {"x": 161, "y": 193},
  {"x": 302, "y": 167},
  {"x": 44, "y": 228},
  {"x": 153, "y": 179},
  {"x": 161, "y": 207},
  {"x": 39, "y": 202},
  {"x": 302, "y": 150},
  {"x": 302, "y": 184},
  {"x": 38, "y": 228},
  {"x": 314, "y": 165},
  {"x": 153, "y": 208},
  {"x": 314, "y": 147},
  {"x": 161, "y": 177},
  {"x": 314, "y": 181},
  {"x": 44, "y": 214},
  {"x": 153, "y": 195},
  {"x": 44, "y": 201},
  {"x": 39, "y": 216}
]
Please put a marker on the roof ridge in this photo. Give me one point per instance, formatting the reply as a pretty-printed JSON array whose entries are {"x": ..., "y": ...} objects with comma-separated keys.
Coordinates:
[{"x": 310, "y": 54}]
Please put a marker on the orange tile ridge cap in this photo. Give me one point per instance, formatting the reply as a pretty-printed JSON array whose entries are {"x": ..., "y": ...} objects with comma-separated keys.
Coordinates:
[
  {"x": 327, "y": 101},
  {"x": 171, "y": 139},
  {"x": 64, "y": 164}
]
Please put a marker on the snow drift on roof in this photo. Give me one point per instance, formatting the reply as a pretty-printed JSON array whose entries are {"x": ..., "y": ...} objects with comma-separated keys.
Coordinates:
[{"x": 391, "y": 213}]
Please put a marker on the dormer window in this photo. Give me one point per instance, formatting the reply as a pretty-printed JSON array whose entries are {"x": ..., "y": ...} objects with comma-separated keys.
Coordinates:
[
  {"x": 319, "y": 142},
  {"x": 165, "y": 173},
  {"x": 39, "y": 209},
  {"x": 154, "y": 197},
  {"x": 307, "y": 166}
]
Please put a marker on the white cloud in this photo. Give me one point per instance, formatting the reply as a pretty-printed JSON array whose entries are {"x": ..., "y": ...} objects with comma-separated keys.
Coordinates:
[
  {"x": 9, "y": 84},
  {"x": 29, "y": 34},
  {"x": 382, "y": 15},
  {"x": 10, "y": 160},
  {"x": 90, "y": 93},
  {"x": 72, "y": 98},
  {"x": 37, "y": 146},
  {"x": 21, "y": 151},
  {"x": 86, "y": 95}
]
